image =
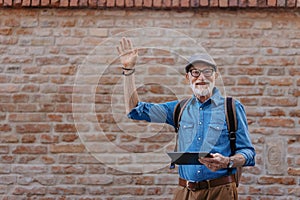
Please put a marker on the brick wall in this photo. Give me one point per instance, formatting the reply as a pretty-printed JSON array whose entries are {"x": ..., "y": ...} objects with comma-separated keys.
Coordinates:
[
  {"x": 151, "y": 4},
  {"x": 64, "y": 134}
]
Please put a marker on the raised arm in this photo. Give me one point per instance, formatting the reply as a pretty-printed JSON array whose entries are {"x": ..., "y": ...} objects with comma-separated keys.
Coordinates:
[{"x": 128, "y": 56}]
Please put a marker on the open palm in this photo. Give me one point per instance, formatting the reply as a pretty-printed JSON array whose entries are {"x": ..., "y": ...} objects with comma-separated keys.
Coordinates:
[{"x": 128, "y": 55}]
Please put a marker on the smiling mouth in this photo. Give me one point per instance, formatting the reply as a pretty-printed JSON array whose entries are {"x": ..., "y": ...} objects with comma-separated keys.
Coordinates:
[{"x": 201, "y": 83}]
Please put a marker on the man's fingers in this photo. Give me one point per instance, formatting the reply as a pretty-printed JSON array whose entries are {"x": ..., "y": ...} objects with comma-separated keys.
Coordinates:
[
  {"x": 119, "y": 50},
  {"x": 129, "y": 44},
  {"x": 125, "y": 44}
]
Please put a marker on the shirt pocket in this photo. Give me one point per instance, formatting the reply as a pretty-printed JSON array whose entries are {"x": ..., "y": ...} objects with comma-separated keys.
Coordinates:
[
  {"x": 186, "y": 132},
  {"x": 217, "y": 134}
]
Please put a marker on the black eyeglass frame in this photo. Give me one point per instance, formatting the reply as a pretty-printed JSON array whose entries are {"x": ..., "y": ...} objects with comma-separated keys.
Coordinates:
[{"x": 211, "y": 71}]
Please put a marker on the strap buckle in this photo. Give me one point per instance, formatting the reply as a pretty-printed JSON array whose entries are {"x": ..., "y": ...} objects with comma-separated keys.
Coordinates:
[
  {"x": 232, "y": 136},
  {"x": 208, "y": 184}
]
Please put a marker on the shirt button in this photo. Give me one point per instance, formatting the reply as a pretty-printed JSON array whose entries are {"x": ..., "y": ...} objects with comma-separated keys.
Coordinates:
[
  {"x": 198, "y": 171},
  {"x": 200, "y": 123},
  {"x": 200, "y": 108},
  {"x": 199, "y": 138}
]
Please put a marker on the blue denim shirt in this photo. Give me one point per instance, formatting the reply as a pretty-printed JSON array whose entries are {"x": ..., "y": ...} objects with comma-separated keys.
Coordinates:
[{"x": 202, "y": 128}]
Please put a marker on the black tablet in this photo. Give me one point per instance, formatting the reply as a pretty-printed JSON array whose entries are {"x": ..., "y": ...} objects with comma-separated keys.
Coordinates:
[{"x": 187, "y": 158}]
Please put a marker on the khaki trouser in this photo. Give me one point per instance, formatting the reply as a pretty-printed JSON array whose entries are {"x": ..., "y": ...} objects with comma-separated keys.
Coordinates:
[{"x": 222, "y": 192}]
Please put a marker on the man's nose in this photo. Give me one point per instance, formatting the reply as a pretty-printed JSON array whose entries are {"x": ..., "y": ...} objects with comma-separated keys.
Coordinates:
[{"x": 201, "y": 76}]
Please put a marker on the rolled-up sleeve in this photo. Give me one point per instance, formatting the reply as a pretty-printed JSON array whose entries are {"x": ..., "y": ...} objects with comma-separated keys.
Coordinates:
[{"x": 151, "y": 112}]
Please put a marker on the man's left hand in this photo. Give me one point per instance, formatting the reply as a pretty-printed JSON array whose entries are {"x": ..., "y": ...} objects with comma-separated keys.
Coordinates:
[{"x": 215, "y": 162}]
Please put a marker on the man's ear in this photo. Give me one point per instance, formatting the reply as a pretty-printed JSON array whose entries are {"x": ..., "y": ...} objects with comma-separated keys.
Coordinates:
[
  {"x": 216, "y": 75},
  {"x": 187, "y": 78}
]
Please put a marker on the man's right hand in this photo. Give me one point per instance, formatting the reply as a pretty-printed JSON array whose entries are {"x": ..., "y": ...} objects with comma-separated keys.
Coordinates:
[{"x": 128, "y": 55}]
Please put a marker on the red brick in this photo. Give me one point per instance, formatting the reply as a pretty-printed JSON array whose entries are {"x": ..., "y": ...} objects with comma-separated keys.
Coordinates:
[
  {"x": 34, "y": 117},
  {"x": 195, "y": 3},
  {"x": 108, "y": 3},
  {"x": 223, "y": 3},
  {"x": 7, "y": 2},
  {"x": 92, "y": 3},
  {"x": 277, "y": 180},
  {"x": 30, "y": 150},
  {"x": 242, "y": 3},
  {"x": 261, "y": 3},
  {"x": 155, "y": 191},
  {"x": 55, "y": 60},
  {"x": 293, "y": 171},
  {"x": 213, "y": 3},
  {"x": 74, "y": 3},
  {"x": 28, "y": 139},
  {"x": 92, "y": 180},
  {"x": 33, "y": 128},
  {"x": 65, "y": 128},
  {"x": 252, "y": 3},
  {"x": 63, "y": 3},
  {"x": 121, "y": 3},
  {"x": 46, "y": 139},
  {"x": 175, "y": 3},
  {"x": 284, "y": 102},
  {"x": 30, "y": 191},
  {"x": 68, "y": 169},
  {"x": 157, "y": 3},
  {"x": 129, "y": 3},
  {"x": 281, "y": 3},
  {"x": 126, "y": 191},
  {"x": 67, "y": 190},
  {"x": 277, "y": 122},
  {"x": 48, "y": 160},
  {"x": 138, "y": 3},
  {"x": 69, "y": 137},
  {"x": 233, "y": 3},
  {"x": 5, "y": 128},
  {"x": 45, "y": 2},
  {"x": 143, "y": 180},
  {"x": 35, "y": 2},
  {"x": 83, "y": 3},
  {"x": 67, "y": 148},
  {"x": 185, "y": 3},
  {"x": 271, "y": 3},
  {"x": 275, "y": 190}
]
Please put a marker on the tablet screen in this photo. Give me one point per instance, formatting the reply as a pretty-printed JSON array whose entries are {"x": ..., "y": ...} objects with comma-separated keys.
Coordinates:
[{"x": 187, "y": 158}]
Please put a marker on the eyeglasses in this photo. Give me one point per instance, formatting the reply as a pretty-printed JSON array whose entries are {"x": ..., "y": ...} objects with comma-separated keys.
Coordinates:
[{"x": 197, "y": 72}]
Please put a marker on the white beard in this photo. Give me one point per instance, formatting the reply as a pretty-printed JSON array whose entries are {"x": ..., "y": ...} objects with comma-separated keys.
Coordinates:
[{"x": 203, "y": 91}]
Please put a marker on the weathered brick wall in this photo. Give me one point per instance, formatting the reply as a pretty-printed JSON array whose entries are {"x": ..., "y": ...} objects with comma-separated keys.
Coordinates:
[{"x": 64, "y": 134}]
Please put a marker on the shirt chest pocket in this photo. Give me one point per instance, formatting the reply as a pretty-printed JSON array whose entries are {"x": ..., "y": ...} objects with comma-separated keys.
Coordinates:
[
  {"x": 217, "y": 134},
  {"x": 186, "y": 132}
]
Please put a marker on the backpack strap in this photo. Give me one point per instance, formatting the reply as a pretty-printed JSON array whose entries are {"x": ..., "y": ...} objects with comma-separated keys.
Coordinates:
[
  {"x": 232, "y": 128},
  {"x": 178, "y": 112},
  {"x": 176, "y": 118},
  {"x": 231, "y": 122}
]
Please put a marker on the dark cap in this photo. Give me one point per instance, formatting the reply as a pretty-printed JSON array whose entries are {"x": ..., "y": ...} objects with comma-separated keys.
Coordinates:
[{"x": 204, "y": 58}]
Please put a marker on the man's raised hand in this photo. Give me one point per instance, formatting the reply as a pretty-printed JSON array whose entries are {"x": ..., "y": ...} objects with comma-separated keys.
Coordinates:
[{"x": 128, "y": 55}]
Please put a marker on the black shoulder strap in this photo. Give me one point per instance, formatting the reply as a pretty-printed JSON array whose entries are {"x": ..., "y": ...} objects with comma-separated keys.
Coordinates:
[
  {"x": 178, "y": 112},
  {"x": 176, "y": 118},
  {"x": 231, "y": 122}
]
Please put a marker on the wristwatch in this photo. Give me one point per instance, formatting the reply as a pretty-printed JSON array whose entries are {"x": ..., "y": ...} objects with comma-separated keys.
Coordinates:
[{"x": 230, "y": 164}]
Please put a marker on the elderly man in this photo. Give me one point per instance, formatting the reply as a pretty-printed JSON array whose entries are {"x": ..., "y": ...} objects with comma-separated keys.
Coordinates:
[{"x": 202, "y": 127}]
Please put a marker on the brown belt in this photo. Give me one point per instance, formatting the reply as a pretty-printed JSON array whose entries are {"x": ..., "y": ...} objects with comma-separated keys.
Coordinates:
[{"x": 194, "y": 186}]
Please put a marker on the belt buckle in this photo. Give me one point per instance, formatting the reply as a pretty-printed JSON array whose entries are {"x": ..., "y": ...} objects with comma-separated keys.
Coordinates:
[{"x": 188, "y": 186}]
